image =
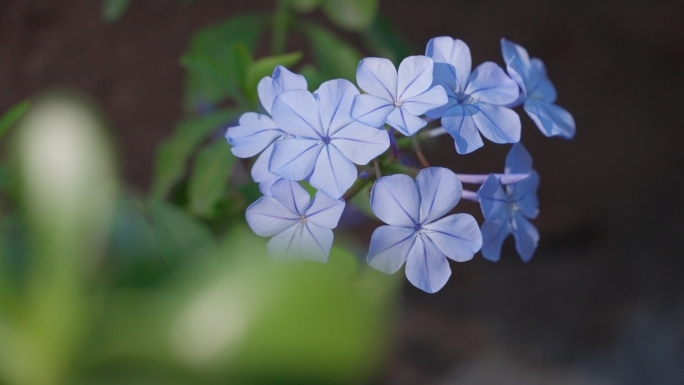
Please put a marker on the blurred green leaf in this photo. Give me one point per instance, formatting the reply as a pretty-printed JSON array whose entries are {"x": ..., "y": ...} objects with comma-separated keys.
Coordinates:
[
  {"x": 209, "y": 180},
  {"x": 303, "y": 5},
  {"x": 264, "y": 67},
  {"x": 313, "y": 77},
  {"x": 384, "y": 41},
  {"x": 355, "y": 15},
  {"x": 179, "y": 235},
  {"x": 174, "y": 152},
  {"x": 334, "y": 58},
  {"x": 12, "y": 115},
  {"x": 362, "y": 202},
  {"x": 112, "y": 10},
  {"x": 208, "y": 68}
]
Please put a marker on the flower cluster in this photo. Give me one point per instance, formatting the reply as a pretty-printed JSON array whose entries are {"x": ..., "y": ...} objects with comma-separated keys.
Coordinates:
[{"x": 329, "y": 136}]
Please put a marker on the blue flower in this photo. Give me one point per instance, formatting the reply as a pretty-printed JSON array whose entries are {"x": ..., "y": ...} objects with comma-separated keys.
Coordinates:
[
  {"x": 415, "y": 234},
  {"x": 476, "y": 100},
  {"x": 396, "y": 98},
  {"x": 326, "y": 141},
  {"x": 507, "y": 208},
  {"x": 538, "y": 93},
  {"x": 301, "y": 229},
  {"x": 256, "y": 133}
]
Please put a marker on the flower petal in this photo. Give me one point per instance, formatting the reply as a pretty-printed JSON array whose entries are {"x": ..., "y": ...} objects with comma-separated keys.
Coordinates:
[
  {"x": 526, "y": 236},
  {"x": 325, "y": 211},
  {"x": 405, "y": 122},
  {"x": 459, "y": 123},
  {"x": 414, "y": 76},
  {"x": 296, "y": 112},
  {"x": 287, "y": 245},
  {"x": 253, "y": 134},
  {"x": 360, "y": 143},
  {"x": 490, "y": 84},
  {"x": 457, "y": 236},
  {"x": 452, "y": 101},
  {"x": 389, "y": 247},
  {"x": 426, "y": 266},
  {"x": 291, "y": 195},
  {"x": 517, "y": 62},
  {"x": 316, "y": 243},
  {"x": 334, "y": 173},
  {"x": 282, "y": 80},
  {"x": 377, "y": 76},
  {"x": 492, "y": 198},
  {"x": 493, "y": 234},
  {"x": 260, "y": 172},
  {"x": 440, "y": 190},
  {"x": 518, "y": 160},
  {"x": 431, "y": 99},
  {"x": 524, "y": 195},
  {"x": 371, "y": 110},
  {"x": 335, "y": 98},
  {"x": 268, "y": 217},
  {"x": 395, "y": 200},
  {"x": 539, "y": 86},
  {"x": 453, "y": 62},
  {"x": 294, "y": 158},
  {"x": 551, "y": 119},
  {"x": 496, "y": 123}
]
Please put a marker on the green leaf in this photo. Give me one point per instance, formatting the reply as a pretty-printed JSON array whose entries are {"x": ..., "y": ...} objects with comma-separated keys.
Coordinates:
[
  {"x": 209, "y": 180},
  {"x": 303, "y": 6},
  {"x": 178, "y": 234},
  {"x": 313, "y": 77},
  {"x": 384, "y": 41},
  {"x": 335, "y": 58},
  {"x": 264, "y": 67},
  {"x": 355, "y": 15},
  {"x": 12, "y": 116},
  {"x": 112, "y": 10},
  {"x": 174, "y": 152},
  {"x": 208, "y": 68}
]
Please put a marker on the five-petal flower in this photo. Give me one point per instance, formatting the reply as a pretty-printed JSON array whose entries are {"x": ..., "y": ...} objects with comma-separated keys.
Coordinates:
[
  {"x": 301, "y": 229},
  {"x": 538, "y": 93},
  {"x": 415, "y": 234},
  {"x": 477, "y": 100},
  {"x": 507, "y": 208},
  {"x": 326, "y": 141},
  {"x": 396, "y": 98}
]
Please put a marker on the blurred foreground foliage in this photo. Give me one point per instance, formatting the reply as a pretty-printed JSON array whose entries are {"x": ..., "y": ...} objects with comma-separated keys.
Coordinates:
[{"x": 101, "y": 285}]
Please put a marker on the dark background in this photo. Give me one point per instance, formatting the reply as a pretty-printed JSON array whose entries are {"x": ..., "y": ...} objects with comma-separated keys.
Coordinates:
[{"x": 602, "y": 301}]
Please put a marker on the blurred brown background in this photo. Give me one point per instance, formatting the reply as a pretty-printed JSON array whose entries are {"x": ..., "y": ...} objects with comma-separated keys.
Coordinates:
[{"x": 602, "y": 300}]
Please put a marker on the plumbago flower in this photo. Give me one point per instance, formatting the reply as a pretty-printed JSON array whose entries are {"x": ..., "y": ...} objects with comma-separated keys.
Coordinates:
[
  {"x": 301, "y": 229},
  {"x": 256, "y": 133},
  {"x": 477, "y": 100},
  {"x": 415, "y": 234},
  {"x": 507, "y": 208},
  {"x": 326, "y": 141},
  {"x": 538, "y": 93},
  {"x": 396, "y": 98}
]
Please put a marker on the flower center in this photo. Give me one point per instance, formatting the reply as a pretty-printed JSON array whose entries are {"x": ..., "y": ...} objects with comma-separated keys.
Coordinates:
[
  {"x": 417, "y": 227},
  {"x": 398, "y": 103},
  {"x": 324, "y": 141}
]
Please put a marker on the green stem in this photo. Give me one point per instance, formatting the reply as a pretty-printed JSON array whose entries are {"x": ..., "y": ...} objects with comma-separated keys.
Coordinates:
[
  {"x": 356, "y": 188},
  {"x": 279, "y": 29}
]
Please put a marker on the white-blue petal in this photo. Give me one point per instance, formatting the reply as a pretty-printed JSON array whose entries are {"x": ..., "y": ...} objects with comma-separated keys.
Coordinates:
[
  {"x": 260, "y": 173},
  {"x": 493, "y": 234},
  {"x": 457, "y": 236},
  {"x": 287, "y": 246},
  {"x": 294, "y": 158},
  {"x": 551, "y": 119},
  {"x": 377, "y": 76},
  {"x": 440, "y": 190},
  {"x": 426, "y": 266},
  {"x": 296, "y": 112},
  {"x": 291, "y": 195},
  {"x": 253, "y": 134},
  {"x": 453, "y": 62},
  {"x": 517, "y": 62},
  {"x": 325, "y": 211},
  {"x": 335, "y": 98},
  {"x": 526, "y": 236},
  {"x": 524, "y": 195},
  {"x": 360, "y": 143},
  {"x": 431, "y": 99},
  {"x": 492, "y": 197},
  {"x": 316, "y": 243},
  {"x": 518, "y": 160},
  {"x": 458, "y": 122},
  {"x": 539, "y": 85},
  {"x": 395, "y": 200},
  {"x": 334, "y": 174},
  {"x": 452, "y": 101},
  {"x": 389, "y": 247},
  {"x": 282, "y": 80},
  {"x": 371, "y": 110},
  {"x": 405, "y": 122},
  {"x": 268, "y": 217},
  {"x": 490, "y": 84},
  {"x": 496, "y": 123},
  {"x": 414, "y": 76}
]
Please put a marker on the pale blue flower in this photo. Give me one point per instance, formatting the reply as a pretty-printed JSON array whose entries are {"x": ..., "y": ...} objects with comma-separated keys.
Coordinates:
[
  {"x": 301, "y": 229},
  {"x": 477, "y": 100},
  {"x": 326, "y": 141},
  {"x": 538, "y": 93},
  {"x": 396, "y": 98},
  {"x": 256, "y": 133},
  {"x": 507, "y": 209},
  {"x": 415, "y": 233}
]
